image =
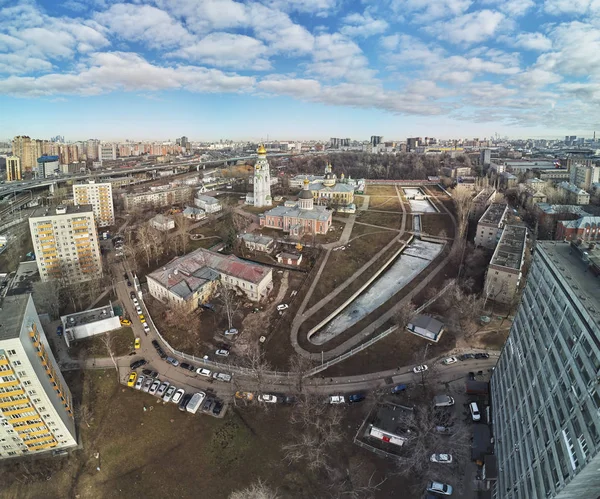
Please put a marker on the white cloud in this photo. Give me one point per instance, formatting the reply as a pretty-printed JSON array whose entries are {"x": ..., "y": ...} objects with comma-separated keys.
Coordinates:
[
  {"x": 226, "y": 50},
  {"x": 363, "y": 25},
  {"x": 575, "y": 7},
  {"x": 319, "y": 7},
  {"x": 536, "y": 78},
  {"x": 207, "y": 15},
  {"x": 513, "y": 8},
  {"x": 16, "y": 64},
  {"x": 420, "y": 11},
  {"x": 533, "y": 41},
  {"x": 295, "y": 87},
  {"x": 110, "y": 71},
  {"x": 390, "y": 42},
  {"x": 144, "y": 23},
  {"x": 473, "y": 27}
]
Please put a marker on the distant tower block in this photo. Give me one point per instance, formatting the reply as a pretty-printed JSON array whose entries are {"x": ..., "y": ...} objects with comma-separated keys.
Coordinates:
[{"x": 262, "y": 180}]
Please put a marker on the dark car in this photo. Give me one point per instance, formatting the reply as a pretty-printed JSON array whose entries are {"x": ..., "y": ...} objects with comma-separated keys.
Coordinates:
[
  {"x": 482, "y": 355},
  {"x": 161, "y": 353},
  {"x": 187, "y": 366},
  {"x": 184, "y": 401},
  {"x": 150, "y": 373},
  {"x": 399, "y": 388},
  {"x": 138, "y": 363},
  {"x": 223, "y": 346},
  {"x": 466, "y": 356},
  {"x": 217, "y": 408},
  {"x": 356, "y": 397},
  {"x": 129, "y": 283},
  {"x": 155, "y": 344},
  {"x": 126, "y": 277},
  {"x": 59, "y": 331},
  {"x": 471, "y": 375},
  {"x": 132, "y": 295},
  {"x": 289, "y": 399},
  {"x": 208, "y": 405}
]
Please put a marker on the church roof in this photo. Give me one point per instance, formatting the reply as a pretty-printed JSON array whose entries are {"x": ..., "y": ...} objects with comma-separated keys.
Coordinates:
[
  {"x": 305, "y": 194},
  {"x": 319, "y": 186},
  {"x": 320, "y": 213}
]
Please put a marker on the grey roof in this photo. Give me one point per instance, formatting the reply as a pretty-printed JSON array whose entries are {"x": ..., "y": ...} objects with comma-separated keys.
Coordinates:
[
  {"x": 305, "y": 194},
  {"x": 257, "y": 238},
  {"x": 581, "y": 222},
  {"x": 88, "y": 316},
  {"x": 207, "y": 199},
  {"x": 320, "y": 213},
  {"x": 571, "y": 188},
  {"x": 494, "y": 214},
  {"x": 553, "y": 209},
  {"x": 45, "y": 211},
  {"x": 427, "y": 322},
  {"x": 338, "y": 187},
  {"x": 12, "y": 315},
  {"x": 192, "y": 210},
  {"x": 27, "y": 275},
  {"x": 509, "y": 252}
]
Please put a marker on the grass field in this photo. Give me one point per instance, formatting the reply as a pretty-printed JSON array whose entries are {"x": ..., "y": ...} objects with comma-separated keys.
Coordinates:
[
  {"x": 391, "y": 220},
  {"x": 123, "y": 340},
  {"x": 385, "y": 203},
  {"x": 380, "y": 190},
  {"x": 162, "y": 452}
]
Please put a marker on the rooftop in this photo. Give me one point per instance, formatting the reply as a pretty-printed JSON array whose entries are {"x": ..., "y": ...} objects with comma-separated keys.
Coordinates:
[
  {"x": 555, "y": 209},
  {"x": 511, "y": 247},
  {"x": 27, "y": 274},
  {"x": 571, "y": 188},
  {"x": 11, "y": 316},
  {"x": 581, "y": 222},
  {"x": 257, "y": 238},
  {"x": 45, "y": 211},
  {"x": 574, "y": 263},
  {"x": 494, "y": 214},
  {"x": 339, "y": 187},
  {"x": 207, "y": 199},
  {"x": 88, "y": 316},
  {"x": 317, "y": 213},
  {"x": 185, "y": 275}
]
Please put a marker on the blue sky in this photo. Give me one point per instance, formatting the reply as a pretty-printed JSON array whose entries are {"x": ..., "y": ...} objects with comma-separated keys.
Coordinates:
[{"x": 303, "y": 69}]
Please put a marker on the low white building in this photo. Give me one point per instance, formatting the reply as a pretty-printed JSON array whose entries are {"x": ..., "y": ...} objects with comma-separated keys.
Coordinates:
[
  {"x": 89, "y": 323},
  {"x": 258, "y": 242},
  {"x": 208, "y": 203},
  {"x": 162, "y": 222},
  {"x": 194, "y": 213}
]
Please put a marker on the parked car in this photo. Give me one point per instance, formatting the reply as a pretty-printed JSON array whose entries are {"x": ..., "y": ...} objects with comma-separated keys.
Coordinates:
[
  {"x": 155, "y": 344},
  {"x": 475, "y": 414},
  {"x": 439, "y": 488},
  {"x": 441, "y": 458},
  {"x": 471, "y": 375},
  {"x": 129, "y": 284},
  {"x": 137, "y": 364},
  {"x": 337, "y": 399},
  {"x": 289, "y": 399},
  {"x": 203, "y": 372},
  {"x": 482, "y": 355},
  {"x": 399, "y": 388},
  {"x": 132, "y": 378},
  {"x": 222, "y": 377},
  {"x": 208, "y": 404},
  {"x": 132, "y": 295},
  {"x": 172, "y": 361},
  {"x": 169, "y": 393},
  {"x": 137, "y": 344},
  {"x": 177, "y": 396},
  {"x": 195, "y": 402},
  {"x": 139, "y": 310},
  {"x": 142, "y": 318},
  {"x": 146, "y": 327},
  {"x": 136, "y": 303},
  {"x": 222, "y": 353},
  {"x": 244, "y": 395},
  {"x": 217, "y": 408},
  {"x": 283, "y": 306},
  {"x": 184, "y": 401},
  {"x": 466, "y": 356},
  {"x": 124, "y": 322},
  {"x": 154, "y": 387},
  {"x": 139, "y": 383},
  {"x": 420, "y": 369},
  {"x": 356, "y": 397},
  {"x": 147, "y": 385},
  {"x": 59, "y": 331},
  {"x": 231, "y": 332},
  {"x": 449, "y": 360},
  {"x": 150, "y": 373},
  {"x": 187, "y": 366},
  {"x": 162, "y": 388},
  {"x": 267, "y": 398}
]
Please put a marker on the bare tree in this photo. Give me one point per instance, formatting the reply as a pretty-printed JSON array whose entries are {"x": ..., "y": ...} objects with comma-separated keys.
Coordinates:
[
  {"x": 404, "y": 314},
  {"x": 85, "y": 415},
  {"x": 229, "y": 301},
  {"x": 48, "y": 297},
  {"x": 182, "y": 229},
  {"x": 144, "y": 243},
  {"x": 463, "y": 201},
  {"x": 108, "y": 341},
  {"x": 156, "y": 240},
  {"x": 467, "y": 306},
  {"x": 253, "y": 358},
  {"x": 299, "y": 365},
  {"x": 257, "y": 490}
]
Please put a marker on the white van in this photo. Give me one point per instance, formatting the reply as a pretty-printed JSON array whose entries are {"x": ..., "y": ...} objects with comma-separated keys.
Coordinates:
[
  {"x": 475, "y": 415},
  {"x": 195, "y": 402}
]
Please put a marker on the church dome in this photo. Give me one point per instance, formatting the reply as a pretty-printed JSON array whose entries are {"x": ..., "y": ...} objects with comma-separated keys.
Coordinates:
[
  {"x": 261, "y": 149},
  {"x": 305, "y": 194}
]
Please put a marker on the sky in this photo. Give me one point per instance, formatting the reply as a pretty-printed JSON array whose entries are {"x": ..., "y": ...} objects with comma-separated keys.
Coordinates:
[{"x": 299, "y": 69}]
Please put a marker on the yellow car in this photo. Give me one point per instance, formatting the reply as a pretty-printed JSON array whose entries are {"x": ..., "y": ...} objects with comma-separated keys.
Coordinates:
[
  {"x": 132, "y": 379},
  {"x": 244, "y": 395},
  {"x": 142, "y": 318},
  {"x": 138, "y": 343},
  {"x": 125, "y": 322}
]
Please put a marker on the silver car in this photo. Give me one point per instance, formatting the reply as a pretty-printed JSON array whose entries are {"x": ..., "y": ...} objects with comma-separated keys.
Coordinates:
[
  {"x": 147, "y": 385},
  {"x": 169, "y": 393},
  {"x": 163, "y": 388},
  {"x": 154, "y": 387}
]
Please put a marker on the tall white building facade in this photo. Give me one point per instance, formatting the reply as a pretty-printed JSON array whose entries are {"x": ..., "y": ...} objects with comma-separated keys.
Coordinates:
[
  {"x": 36, "y": 408},
  {"x": 107, "y": 152},
  {"x": 100, "y": 197},
  {"x": 262, "y": 181}
]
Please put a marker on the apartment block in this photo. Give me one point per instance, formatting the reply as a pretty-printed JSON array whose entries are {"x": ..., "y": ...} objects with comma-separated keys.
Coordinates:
[
  {"x": 504, "y": 271},
  {"x": 100, "y": 197},
  {"x": 573, "y": 194},
  {"x": 25, "y": 149},
  {"x": 36, "y": 408},
  {"x": 65, "y": 241},
  {"x": 583, "y": 176},
  {"x": 544, "y": 389},
  {"x": 158, "y": 198},
  {"x": 490, "y": 225},
  {"x": 107, "y": 152},
  {"x": 13, "y": 168}
]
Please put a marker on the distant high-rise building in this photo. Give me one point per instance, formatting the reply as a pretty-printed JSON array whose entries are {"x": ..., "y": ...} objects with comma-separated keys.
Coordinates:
[
  {"x": 412, "y": 143},
  {"x": 35, "y": 402},
  {"x": 583, "y": 176},
  {"x": 485, "y": 157},
  {"x": 91, "y": 150},
  {"x": 100, "y": 197},
  {"x": 107, "y": 152},
  {"x": 545, "y": 395},
  {"x": 184, "y": 142},
  {"x": 376, "y": 140},
  {"x": 65, "y": 242},
  {"x": 47, "y": 166},
  {"x": 24, "y": 149},
  {"x": 13, "y": 168}
]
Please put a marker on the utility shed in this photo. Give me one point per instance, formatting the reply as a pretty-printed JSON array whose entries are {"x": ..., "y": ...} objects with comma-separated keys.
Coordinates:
[
  {"x": 426, "y": 327},
  {"x": 89, "y": 323}
]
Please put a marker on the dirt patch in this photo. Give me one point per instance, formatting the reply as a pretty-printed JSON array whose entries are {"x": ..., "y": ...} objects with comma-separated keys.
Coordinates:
[
  {"x": 385, "y": 203},
  {"x": 380, "y": 190},
  {"x": 391, "y": 220},
  {"x": 123, "y": 343},
  {"x": 437, "y": 225}
]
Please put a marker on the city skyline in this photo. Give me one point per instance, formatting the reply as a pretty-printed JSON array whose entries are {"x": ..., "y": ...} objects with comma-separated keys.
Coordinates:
[{"x": 219, "y": 68}]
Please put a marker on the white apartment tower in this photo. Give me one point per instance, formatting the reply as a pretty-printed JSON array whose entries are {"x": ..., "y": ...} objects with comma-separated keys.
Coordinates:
[
  {"x": 100, "y": 197},
  {"x": 107, "y": 152},
  {"x": 262, "y": 180},
  {"x": 65, "y": 242},
  {"x": 36, "y": 409}
]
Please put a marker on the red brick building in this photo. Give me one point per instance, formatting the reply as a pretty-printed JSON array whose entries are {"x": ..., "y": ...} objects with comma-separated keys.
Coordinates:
[{"x": 584, "y": 228}]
